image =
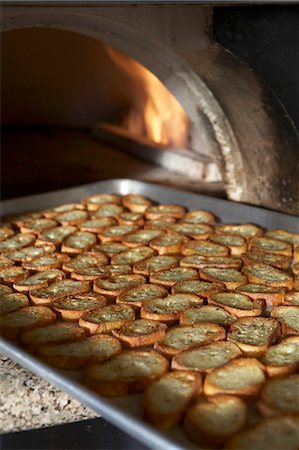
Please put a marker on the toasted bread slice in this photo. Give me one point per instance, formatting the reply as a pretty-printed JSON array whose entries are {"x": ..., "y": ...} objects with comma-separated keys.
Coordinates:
[
  {"x": 128, "y": 373},
  {"x": 277, "y": 433},
  {"x": 57, "y": 290},
  {"x": 283, "y": 358},
  {"x": 211, "y": 421},
  {"x": 182, "y": 338},
  {"x": 56, "y": 235},
  {"x": 39, "y": 280},
  {"x": 53, "y": 212},
  {"x": 273, "y": 259},
  {"x": 10, "y": 302},
  {"x": 51, "y": 334},
  {"x": 272, "y": 295},
  {"x": 159, "y": 224},
  {"x": 75, "y": 355},
  {"x": 269, "y": 245},
  {"x": 168, "y": 309},
  {"x": 83, "y": 260},
  {"x": 246, "y": 230},
  {"x": 12, "y": 324},
  {"x": 243, "y": 377},
  {"x": 238, "y": 304},
  {"x": 221, "y": 262},
  {"x": 254, "y": 334},
  {"x": 4, "y": 289},
  {"x": 47, "y": 262},
  {"x": 168, "y": 244},
  {"x": 108, "y": 210},
  {"x": 73, "y": 307},
  {"x": 207, "y": 313},
  {"x": 136, "y": 203},
  {"x": 117, "y": 269},
  {"x": 17, "y": 220},
  {"x": 291, "y": 299},
  {"x": 26, "y": 254},
  {"x": 16, "y": 242},
  {"x": 166, "y": 400},
  {"x": 231, "y": 278},
  {"x": 288, "y": 316},
  {"x": 140, "y": 333},
  {"x": 157, "y": 211},
  {"x": 6, "y": 262},
  {"x": 194, "y": 231},
  {"x": 78, "y": 242},
  {"x": 280, "y": 396},
  {"x": 268, "y": 275},
  {"x": 93, "y": 202},
  {"x": 111, "y": 248},
  {"x": 168, "y": 278},
  {"x": 112, "y": 287},
  {"x": 141, "y": 237},
  {"x": 236, "y": 244},
  {"x": 37, "y": 226},
  {"x": 74, "y": 217},
  {"x": 5, "y": 233},
  {"x": 106, "y": 318},
  {"x": 204, "y": 248},
  {"x": 137, "y": 295},
  {"x": 133, "y": 255},
  {"x": 207, "y": 357},
  {"x": 96, "y": 225},
  {"x": 116, "y": 233},
  {"x": 155, "y": 264},
  {"x": 12, "y": 274},
  {"x": 199, "y": 216},
  {"x": 130, "y": 218},
  {"x": 201, "y": 288},
  {"x": 284, "y": 235},
  {"x": 89, "y": 273}
]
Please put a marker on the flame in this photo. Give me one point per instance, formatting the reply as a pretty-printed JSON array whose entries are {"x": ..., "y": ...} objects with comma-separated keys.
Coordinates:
[{"x": 154, "y": 112}]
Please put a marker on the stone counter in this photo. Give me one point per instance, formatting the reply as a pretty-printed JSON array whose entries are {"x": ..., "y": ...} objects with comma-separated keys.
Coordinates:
[{"x": 27, "y": 401}]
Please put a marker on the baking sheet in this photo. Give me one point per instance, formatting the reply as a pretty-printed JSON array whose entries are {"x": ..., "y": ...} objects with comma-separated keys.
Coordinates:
[{"x": 125, "y": 412}]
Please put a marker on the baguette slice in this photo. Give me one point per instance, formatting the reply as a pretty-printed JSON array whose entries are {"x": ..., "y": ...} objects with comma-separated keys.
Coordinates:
[
  {"x": 168, "y": 278},
  {"x": 141, "y": 237},
  {"x": 273, "y": 259},
  {"x": 283, "y": 358},
  {"x": 205, "y": 248},
  {"x": 57, "y": 290},
  {"x": 107, "y": 318},
  {"x": 112, "y": 287},
  {"x": 201, "y": 288},
  {"x": 51, "y": 334},
  {"x": 73, "y": 307},
  {"x": 4, "y": 289},
  {"x": 140, "y": 333},
  {"x": 12, "y": 301},
  {"x": 168, "y": 244},
  {"x": 78, "y": 242},
  {"x": 46, "y": 262},
  {"x": 37, "y": 226},
  {"x": 136, "y": 203},
  {"x": 178, "y": 339},
  {"x": 238, "y": 304},
  {"x": 236, "y": 244},
  {"x": 199, "y": 216},
  {"x": 269, "y": 245},
  {"x": 26, "y": 254},
  {"x": 74, "y": 217},
  {"x": 52, "y": 212},
  {"x": 155, "y": 264},
  {"x": 90, "y": 273},
  {"x": 207, "y": 357},
  {"x": 96, "y": 225},
  {"x": 211, "y": 421},
  {"x": 12, "y": 274},
  {"x": 12, "y": 324},
  {"x": 166, "y": 400},
  {"x": 56, "y": 235},
  {"x": 194, "y": 231},
  {"x": 39, "y": 280},
  {"x": 272, "y": 295},
  {"x": 268, "y": 275},
  {"x": 128, "y": 373},
  {"x": 254, "y": 334},
  {"x": 137, "y": 295},
  {"x": 75, "y": 355},
  {"x": 93, "y": 202},
  {"x": 288, "y": 316},
  {"x": 221, "y": 262},
  {"x": 86, "y": 259},
  {"x": 16, "y": 242},
  {"x": 111, "y": 248},
  {"x": 284, "y": 235},
  {"x": 159, "y": 224},
  {"x": 108, "y": 210},
  {"x": 246, "y": 230},
  {"x": 18, "y": 219},
  {"x": 6, "y": 262},
  {"x": 207, "y": 313},
  {"x": 291, "y": 299},
  {"x": 280, "y": 396},
  {"x": 231, "y": 278},
  {"x": 116, "y": 233},
  {"x": 133, "y": 255},
  {"x": 168, "y": 309},
  {"x": 130, "y": 218},
  {"x": 243, "y": 377},
  {"x": 158, "y": 211},
  {"x": 277, "y": 433},
  {"x": 5, "y": 233}
]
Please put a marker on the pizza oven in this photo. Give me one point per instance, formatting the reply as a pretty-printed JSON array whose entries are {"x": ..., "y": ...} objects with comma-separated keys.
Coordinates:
[{"x": 99, "y": 91}]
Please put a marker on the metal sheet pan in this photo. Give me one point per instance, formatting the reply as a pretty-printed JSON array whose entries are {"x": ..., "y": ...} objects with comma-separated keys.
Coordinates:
[{"x": 125, "y": 413}]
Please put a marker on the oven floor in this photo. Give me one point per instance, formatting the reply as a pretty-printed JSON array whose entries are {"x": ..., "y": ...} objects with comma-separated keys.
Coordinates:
[{"x": 41, "y": 160}]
